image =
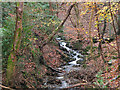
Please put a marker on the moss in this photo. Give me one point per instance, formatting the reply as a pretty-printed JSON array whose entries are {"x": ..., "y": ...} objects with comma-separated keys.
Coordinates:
[
  {"x": 84, "y": 65},
  {"x": 11, "y": 65},
  {"x": 84, "y": 53},
  {"x": 77, "y": 45}
]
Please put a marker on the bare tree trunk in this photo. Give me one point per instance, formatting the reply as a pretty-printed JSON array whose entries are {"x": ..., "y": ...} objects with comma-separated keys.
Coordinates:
[
  {"x": 117, "y": 36},
  {"x": 90, "y": 36},
  {"x": 118, "y": 19},
  {"x": 17, "y": 41},
  {"x": 76, "y": 8},
  {"x": 98, "y": 29}
]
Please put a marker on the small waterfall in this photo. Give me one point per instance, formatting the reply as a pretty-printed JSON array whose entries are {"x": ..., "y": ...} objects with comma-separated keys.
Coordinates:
[{"x": 67, "y": 68}]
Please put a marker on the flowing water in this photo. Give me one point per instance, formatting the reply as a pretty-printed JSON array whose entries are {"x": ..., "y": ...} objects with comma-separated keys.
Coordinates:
[{"x": 70, "y": 66}]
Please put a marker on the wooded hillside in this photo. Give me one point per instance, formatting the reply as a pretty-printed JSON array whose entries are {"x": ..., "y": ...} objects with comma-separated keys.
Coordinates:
[{"x": 60, "y": 45}]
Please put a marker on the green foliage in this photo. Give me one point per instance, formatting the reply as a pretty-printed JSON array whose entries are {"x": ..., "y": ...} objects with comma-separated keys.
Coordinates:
[
  {"x": 10, "y": 66},
  {"x": 6, "y": 9},
  {"x": 7, "y": 37},
  {"x": 100, "y": 82},
  {"x": 40, "y": 16},
  {"x": 37, "y": 17}
]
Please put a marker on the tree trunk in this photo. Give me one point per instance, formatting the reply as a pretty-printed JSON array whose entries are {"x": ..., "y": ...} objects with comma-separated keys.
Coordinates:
[
  {"x": 76, "y": 8},
  {"x": 119, "y": 35},
  {"x": 118, "y": 19},
  {"x": 17, "y": 41}
]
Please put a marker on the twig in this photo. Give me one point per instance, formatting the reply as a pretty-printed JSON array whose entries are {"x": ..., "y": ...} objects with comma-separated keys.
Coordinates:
[
  {"x": 117, "y": 39},
  {"x": 112, "y": 80},
  {"x": 72, "y": 22},
  {"x": 2, "y": 86},
  {"x": 113, "y": 47},
  {"x": 79, "y": 84},
  {"x": 31, "y": 86}
]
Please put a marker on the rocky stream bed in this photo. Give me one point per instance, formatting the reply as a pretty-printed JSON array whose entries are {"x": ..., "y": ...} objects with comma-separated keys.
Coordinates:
[{"x": 71, "y": 72}]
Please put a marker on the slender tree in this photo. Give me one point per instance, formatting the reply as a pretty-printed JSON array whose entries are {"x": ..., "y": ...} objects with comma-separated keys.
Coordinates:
[
  {"x": 76, "y": 8},
  {"x": 98, "y": 29},
  {"x": 90, "y": 36},
  {"x": 16, "y": 44},
  {"x": 118, "y": 19},
  {"x": 116, "y": 36},
  {"x": 119, "y": 34}
]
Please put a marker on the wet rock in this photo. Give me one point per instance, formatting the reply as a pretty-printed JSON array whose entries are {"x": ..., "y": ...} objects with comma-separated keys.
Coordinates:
[
  {"x": 63, "y": 49},
  {"x": 79, "y": 56},
  {"x": 77, "y": 65},
  {"x": 68, "y": 45},
  {"x": 66, "y": 59},
  {"x": 53, "y": 80},
  {"x": 51, "y": 74},
  {"x": 74, "y": 54},
  {"x": 79, "y": 62}
]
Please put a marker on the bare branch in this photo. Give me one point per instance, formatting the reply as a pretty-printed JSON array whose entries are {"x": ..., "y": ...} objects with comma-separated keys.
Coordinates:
[
  {"x": 58, "y": 28},
  {"x": 2, "y": 86}
]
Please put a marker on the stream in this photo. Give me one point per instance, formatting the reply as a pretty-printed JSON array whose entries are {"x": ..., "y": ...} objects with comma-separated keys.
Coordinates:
[{"x": 70, "y": 66}]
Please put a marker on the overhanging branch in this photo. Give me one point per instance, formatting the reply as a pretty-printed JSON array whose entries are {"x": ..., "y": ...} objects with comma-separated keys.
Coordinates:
[{"x": 50, "y": 37}]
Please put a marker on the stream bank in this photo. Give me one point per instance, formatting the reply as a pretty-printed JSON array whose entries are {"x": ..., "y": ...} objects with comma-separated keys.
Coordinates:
[{"x": 70, "y": 73}]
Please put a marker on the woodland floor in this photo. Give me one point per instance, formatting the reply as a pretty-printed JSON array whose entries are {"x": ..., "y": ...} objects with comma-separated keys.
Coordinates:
[
  {"x": 87, "y": 74},
  {"x": 93, "y": 65}
]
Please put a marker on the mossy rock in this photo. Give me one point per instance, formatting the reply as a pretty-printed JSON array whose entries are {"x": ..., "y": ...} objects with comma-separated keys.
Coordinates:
[
  {"x": 72, "y": 59},
  {"x": 68, "y": 45},
  {"x": 84, "y": 53},
  {"x": 80, "y": 62},
  {"x": 79, "y": 56},
  {"x": 84, "y": 66},
  {"x": 66, "y": 59},
  {"x": 72, "y": 52},
  {"x": 77, "y": 45},
  {"x": 61, "y": 48},
  {"x": 80, "y": 51}
]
